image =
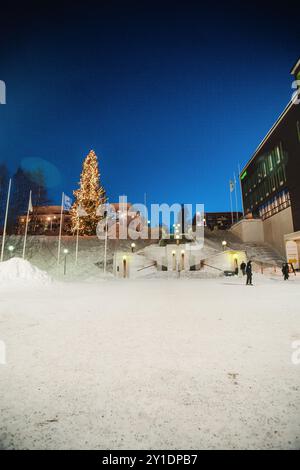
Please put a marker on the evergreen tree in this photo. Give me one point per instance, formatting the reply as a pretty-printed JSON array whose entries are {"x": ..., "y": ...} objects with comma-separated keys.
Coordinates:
[
  {"x": 88, "y": 197},
  {"x": 23, "y": 181}
]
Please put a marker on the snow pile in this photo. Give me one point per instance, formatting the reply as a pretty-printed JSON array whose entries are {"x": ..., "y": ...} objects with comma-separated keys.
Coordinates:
[{"x": 18, "y": 269}]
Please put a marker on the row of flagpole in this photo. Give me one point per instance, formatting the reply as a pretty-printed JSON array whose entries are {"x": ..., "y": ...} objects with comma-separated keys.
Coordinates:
[
  {"x": 65, "y": 204},
  {"x": 65, "y": 201}
]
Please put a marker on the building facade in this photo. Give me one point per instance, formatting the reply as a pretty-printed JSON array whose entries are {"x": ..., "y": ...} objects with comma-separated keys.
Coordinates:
[
  {"x": 219, "y": 220},
  {"x": 271, "y": 179},
  {"x": 45, "y": 220}
]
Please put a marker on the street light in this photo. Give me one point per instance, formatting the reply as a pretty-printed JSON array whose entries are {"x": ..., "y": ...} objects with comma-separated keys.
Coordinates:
[
  {"x": 66, "y": 251},
  {"x": 224, "y": 244},
  {"x": 132, "y": 247},
  {"x": 174, "y": 261},
  {"x": 49, "y": 219}
]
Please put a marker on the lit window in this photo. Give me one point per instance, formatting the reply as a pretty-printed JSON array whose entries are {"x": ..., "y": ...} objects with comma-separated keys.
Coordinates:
[{"x": 270, "y": 162}]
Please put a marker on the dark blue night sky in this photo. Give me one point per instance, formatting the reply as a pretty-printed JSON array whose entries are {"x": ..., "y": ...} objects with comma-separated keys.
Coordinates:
[{"x": 170, "y": 95}]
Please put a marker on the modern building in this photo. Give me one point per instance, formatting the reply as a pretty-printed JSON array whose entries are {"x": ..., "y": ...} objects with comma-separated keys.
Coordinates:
[{"x": 271, "y": 182}]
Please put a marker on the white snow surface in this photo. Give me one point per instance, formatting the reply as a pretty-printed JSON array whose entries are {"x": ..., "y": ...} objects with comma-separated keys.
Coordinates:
[
  {"x": 20, "y": 270},
  {"x": 151, "y": 364}
]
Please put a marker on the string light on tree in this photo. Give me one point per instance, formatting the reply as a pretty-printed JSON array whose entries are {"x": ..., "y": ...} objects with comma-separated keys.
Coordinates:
[{"x": 88, "y": 197}]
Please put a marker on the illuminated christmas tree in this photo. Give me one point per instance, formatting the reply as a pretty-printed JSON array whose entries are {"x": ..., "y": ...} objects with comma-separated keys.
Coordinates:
[{"x": 88, "y": 197}]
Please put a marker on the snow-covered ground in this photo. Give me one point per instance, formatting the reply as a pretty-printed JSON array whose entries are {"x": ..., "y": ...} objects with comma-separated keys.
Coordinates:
[{"x": 175, "y": 364}]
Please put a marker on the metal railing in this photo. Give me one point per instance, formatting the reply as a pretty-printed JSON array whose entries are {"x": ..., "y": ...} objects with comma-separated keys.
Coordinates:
[{"x": 275, "y": 210}]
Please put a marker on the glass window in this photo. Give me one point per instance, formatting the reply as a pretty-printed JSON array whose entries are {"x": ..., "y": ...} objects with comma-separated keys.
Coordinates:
[
  {"x": 270, "y": 162},
  {"x": 277, "y": 152},
  {"x": 280, "y": 176}
]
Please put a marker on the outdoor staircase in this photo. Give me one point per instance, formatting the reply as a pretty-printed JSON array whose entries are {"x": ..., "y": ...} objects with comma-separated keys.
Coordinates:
[{"x": 258, "y": 252}]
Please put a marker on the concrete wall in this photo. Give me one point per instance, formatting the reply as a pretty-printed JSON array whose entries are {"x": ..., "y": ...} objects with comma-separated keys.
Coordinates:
[
  {"x": 175, "y": 257},
  {"x": 228, "y": 260},
  {"x": 249, "y": 230},
  {"x": 276, "y": 227},
  {"x": 271, "y": 230}
]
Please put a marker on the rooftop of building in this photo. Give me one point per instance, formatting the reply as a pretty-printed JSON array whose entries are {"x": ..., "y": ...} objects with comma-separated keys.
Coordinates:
[
  {"x": 294, "y": 70},
  {"x": 296, "y": 67}
]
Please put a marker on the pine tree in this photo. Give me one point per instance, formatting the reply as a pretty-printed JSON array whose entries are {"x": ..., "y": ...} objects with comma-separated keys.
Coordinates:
[
  {"x": 22, "y": 182},
  {"x": 88, "y": 197}
]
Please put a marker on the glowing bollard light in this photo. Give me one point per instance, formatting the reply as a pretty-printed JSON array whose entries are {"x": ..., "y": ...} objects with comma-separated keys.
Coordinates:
[
  {"x": 11, "y": 250},
  {"x": 224, "y": 244},
  {"x": 65, "y": 260}
]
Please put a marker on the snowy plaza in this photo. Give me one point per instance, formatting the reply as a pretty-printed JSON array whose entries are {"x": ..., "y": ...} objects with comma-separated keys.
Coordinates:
[
  {"x": 150, "y": 363},
  {"x": 149, "y": 231}
]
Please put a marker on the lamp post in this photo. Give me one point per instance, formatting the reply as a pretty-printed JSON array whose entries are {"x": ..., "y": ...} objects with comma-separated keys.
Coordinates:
[
  {"x": 124, "y": 266},
  {"x": 132, "y": 247},
  {"x": 182, "y": 260},
  {"x": 65, "y": 260},
  {"x": 174, "y": 261}
]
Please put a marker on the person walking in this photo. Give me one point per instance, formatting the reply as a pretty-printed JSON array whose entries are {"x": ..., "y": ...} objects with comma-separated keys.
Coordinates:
[
  {"x": 293, "y": 269},
  {"x": 285, "y": 271},
  {"x": 243, "y": 267},
  {"x": 249, "y": 274}
]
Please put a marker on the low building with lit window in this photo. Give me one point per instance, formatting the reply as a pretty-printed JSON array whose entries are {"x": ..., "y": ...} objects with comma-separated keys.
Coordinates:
[
  {"x": 45, "y": 220},
  {"x": 219, "y": 220},
  {"x": 271, "y": 183}
]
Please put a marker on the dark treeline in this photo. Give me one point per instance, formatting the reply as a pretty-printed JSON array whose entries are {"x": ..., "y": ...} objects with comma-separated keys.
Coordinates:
[{"x": 22, "y": 182}]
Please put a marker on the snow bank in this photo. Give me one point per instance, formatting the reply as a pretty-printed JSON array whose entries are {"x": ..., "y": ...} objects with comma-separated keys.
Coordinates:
[{"x": 18, "y": 269}]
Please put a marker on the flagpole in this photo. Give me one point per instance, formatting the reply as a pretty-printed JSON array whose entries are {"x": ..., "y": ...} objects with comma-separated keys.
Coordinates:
[
  {"x": 231, "y": 202},
  {"x": 236, "y": 203},
  {"x": 105, "y": 242},
  {"x": 241, "y": 189},
  {"x": 26, "y": 227},
  {"x": 77, "y": 240},
  {"x": 60, "y": 228},
  {"x": 5, "y": 220}
]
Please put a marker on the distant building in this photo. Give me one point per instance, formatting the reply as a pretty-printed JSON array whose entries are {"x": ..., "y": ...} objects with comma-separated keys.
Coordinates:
[
  {"x": 271, "y": 180},
  {"x": 45, "y": 220},
  {"x": 219, "y": 220}
]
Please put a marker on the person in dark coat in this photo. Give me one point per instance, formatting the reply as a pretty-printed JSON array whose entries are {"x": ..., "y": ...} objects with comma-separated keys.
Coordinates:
[
  {"x": 243, "y": 267},
  {"x": 249, "y": 274},
  {"x": 285, "y": 271}
]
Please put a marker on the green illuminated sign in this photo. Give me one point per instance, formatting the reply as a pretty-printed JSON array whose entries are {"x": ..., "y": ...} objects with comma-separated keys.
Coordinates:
[{"x": 244, "y": 175}]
